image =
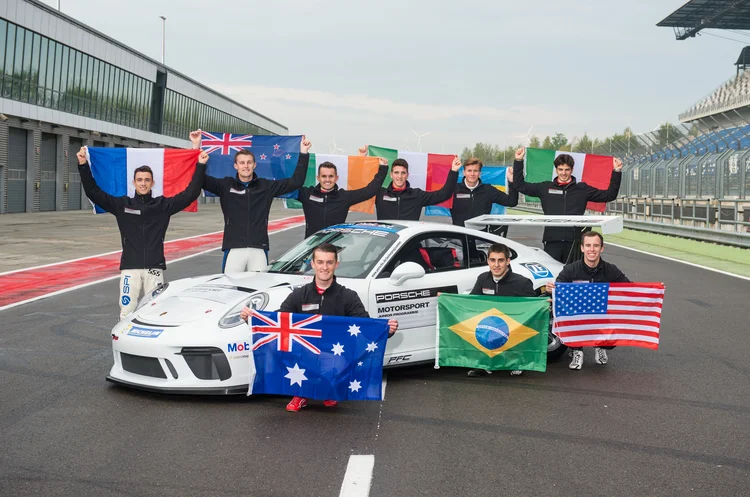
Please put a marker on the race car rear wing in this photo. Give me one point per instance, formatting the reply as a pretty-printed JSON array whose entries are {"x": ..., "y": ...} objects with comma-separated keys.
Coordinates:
[{"x": 609, "y": 224}]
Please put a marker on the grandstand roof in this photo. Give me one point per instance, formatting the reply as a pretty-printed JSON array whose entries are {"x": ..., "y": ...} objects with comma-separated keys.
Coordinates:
[{"x": 696, "y": 15}]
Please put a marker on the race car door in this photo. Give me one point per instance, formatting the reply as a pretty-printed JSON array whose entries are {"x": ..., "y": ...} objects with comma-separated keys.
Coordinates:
[{"x": 443, "y": 255}]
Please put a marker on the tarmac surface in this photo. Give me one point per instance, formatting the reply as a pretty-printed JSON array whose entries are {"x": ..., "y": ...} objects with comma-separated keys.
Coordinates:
[{"x": 670, "y": 422}]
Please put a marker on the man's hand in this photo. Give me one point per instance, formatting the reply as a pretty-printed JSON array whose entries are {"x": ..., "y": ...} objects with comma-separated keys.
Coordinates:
[
  {"x": 456, "y": 164},
  {"x": 203, "y": 157},
  {"x": 195, "y": 138},
  {"x": 520, "y": 153},
  {"x": 550, "y": 286},
  {"x": 362, "y": 150},
  {"x": 245, "y": 313},
  {"x": 509, "y": 174},
  {"x": 304, "y": 145},
  {"x": 617, "y": 164},
  {"x": 393, "y": 326},
  {"x": 82, "y": 156},
  {"x": 382, "y": 161}
]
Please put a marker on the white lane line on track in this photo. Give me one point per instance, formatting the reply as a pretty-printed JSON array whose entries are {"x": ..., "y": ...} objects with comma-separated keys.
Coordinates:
[
  {"x": 96, "y": 282},
  {"x": 681, "y": 261},
  {"x": 385, "y": 382},
  {"x": 358, "y": 476},
  {"x": 99, "y": 255}
]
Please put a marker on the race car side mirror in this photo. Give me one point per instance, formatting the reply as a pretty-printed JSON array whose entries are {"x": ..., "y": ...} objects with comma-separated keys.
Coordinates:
[{"x": 406, "y": 271}]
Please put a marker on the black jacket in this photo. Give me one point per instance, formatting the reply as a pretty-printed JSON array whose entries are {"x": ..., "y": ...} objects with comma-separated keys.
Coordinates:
[
  {"x": 511, "y": 285},
  {"x": 407, "y": 204},
  {"x": 246, "y": 208},
  {"x": 561, "y": 200},
  {"x": 337, "y": 300},
  {"x": 469, "y": 203},
  {"x": 324, "y": 209},
  {"x": 143, "y": 220},
  {"x": 604, "y": 272}
]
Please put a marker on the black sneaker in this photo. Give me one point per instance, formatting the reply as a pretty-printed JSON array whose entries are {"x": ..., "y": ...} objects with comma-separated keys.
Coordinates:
[{"x": 478, "y": 372}]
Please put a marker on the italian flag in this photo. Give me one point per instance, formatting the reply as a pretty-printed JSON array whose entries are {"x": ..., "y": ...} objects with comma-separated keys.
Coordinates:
[
  {"x": 594, "y": 170},
  {"x": 426, "y": 171},
  {"x": 354, "y": 173}
]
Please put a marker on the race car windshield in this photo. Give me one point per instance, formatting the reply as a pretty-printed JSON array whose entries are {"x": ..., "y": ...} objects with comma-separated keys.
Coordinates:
[{"x": 359, "y": 250}]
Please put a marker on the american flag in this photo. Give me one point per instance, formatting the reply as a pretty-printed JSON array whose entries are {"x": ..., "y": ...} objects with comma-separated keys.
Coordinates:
[{"x": 608, "y": 314}]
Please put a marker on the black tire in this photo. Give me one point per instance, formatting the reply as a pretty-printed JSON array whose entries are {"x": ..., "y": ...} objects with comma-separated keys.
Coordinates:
[{"x": 555, "y": 348}]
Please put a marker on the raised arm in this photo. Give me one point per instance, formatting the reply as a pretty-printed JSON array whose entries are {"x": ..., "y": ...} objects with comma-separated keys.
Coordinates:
[
  {"x": 186, "y": 197},
  {"x": 282, "y": 186},
  {"x": 519, "y": 182},
  {"x": 610, "y": 194},
  {"x": 362, "y": 194},
  {"x": 446, "y": 192},
  {"x": 509, "y": 199},
  {"x": 101, "y": 198}
]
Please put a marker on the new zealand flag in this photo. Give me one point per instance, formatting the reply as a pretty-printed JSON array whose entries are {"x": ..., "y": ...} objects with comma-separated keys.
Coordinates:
[
  {"x": 275, "y": 156},
  {"x": 318, "y": 357}
]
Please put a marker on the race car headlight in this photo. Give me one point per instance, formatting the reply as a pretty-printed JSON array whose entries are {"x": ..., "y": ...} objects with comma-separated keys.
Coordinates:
[
  {"x": 152, "y": 295},
  {"x": 232, "y": 318}
]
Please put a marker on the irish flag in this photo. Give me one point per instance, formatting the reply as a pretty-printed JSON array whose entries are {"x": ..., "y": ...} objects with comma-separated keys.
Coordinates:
[
  {"x": 113, "y": 170},
  {"x": 354, "y": 173},
  {"x": 426, "y": 171},
  {"x": 594, "y": 170}
]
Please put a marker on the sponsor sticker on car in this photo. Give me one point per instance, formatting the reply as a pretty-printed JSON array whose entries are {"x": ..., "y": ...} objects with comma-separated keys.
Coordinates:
[{"x": 141, "y": 332}]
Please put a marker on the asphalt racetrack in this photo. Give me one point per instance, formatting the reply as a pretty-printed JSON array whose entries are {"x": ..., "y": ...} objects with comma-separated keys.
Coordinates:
[{"x": 672, "y": 422}]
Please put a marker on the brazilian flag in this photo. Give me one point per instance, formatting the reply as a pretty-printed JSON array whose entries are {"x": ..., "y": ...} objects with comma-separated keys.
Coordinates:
[{"x": 477, "y": 331}]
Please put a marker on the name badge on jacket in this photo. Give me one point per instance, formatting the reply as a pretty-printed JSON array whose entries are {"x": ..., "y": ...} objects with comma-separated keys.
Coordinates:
[
  {"x": 132, "y": 211},
  {"x": 488, "y": 291},
  {"x": 463, "y": 195},
  {"x": 310, "y": 307},
  {"x": 555, "y": 192},
  {"x": 389, "y": 199},
  {"x": 238, "y": 192},
  {"x": 316, "y": 199}
]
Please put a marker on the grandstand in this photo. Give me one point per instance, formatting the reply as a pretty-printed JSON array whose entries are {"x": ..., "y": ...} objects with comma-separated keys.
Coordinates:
[{"x": 696, "y": 173}]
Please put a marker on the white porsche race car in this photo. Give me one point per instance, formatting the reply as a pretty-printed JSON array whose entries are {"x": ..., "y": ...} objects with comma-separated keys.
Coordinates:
[{"x": 187, "y": 336}]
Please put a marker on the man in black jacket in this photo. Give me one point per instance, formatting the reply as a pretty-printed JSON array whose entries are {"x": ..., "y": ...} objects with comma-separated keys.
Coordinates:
[
  {"x": 590, "y": 269},
  {"x": 564, "y": 196},
  {"x": 143, "y": 221},
  {"x": 246, "y": 203},
  {"x": 401, "y": 201},
  {"x": 474, "y": 198},
  {"x": 325, "y": 204},
  {"x": 323, "y": 296},
  {"x": 501, "y": 281}
]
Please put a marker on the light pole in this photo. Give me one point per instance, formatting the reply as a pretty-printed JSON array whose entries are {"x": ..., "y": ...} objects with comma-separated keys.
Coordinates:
[{"x": 163, "y": 36}]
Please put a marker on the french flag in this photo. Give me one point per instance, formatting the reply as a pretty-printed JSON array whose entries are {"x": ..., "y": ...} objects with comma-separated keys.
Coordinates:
[{"x": 113, "y": 170}]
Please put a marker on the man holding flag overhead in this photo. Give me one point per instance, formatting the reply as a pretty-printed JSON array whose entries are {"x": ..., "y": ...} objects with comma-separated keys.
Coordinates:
[
  {"x": 143, "y": 221},
  {"x": 564, "y": 196},
  {"x": 474, "y": 198},
  {"x": 326, "y": 297},
  {"x": 591, "y": 269},
  {"x": 325, "y": 204},
  {"x": 401, "y": 201},
  {"x": 246, "y": 203}
]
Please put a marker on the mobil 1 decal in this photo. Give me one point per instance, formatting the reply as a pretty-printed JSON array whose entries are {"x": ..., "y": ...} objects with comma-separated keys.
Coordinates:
[{"x": 413, "y": 308}]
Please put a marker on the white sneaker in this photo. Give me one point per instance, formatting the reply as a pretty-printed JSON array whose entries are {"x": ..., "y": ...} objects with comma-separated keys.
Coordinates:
[
  {"x": 600, "y": 356},
  {"x": 577, "y": 361},
  {"x": 516, "y": 372}
]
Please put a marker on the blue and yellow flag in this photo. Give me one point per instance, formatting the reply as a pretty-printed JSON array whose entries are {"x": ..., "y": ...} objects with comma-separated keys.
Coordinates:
[{"x": 493, "y": 333}]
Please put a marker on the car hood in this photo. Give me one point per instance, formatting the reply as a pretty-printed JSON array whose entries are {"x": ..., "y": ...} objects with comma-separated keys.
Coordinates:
[{"x": 212, "y": 298}]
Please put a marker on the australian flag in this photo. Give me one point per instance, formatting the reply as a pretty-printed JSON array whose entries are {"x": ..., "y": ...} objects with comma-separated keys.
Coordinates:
[
  {"x": 318, "y": 357},
  {"x": 275, "y": 156}
]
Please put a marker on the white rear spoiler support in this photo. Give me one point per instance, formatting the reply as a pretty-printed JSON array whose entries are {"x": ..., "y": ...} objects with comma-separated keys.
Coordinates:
[{"x": 609, "y": 224}]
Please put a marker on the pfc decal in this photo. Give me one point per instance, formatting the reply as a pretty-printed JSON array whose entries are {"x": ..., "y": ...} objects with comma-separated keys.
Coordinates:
[
  {"x": 537, "y": 270},
  {"x": 400, "y": 358}
]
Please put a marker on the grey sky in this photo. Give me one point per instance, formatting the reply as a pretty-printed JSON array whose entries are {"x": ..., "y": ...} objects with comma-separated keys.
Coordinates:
[{"x": 367, "y": 72}]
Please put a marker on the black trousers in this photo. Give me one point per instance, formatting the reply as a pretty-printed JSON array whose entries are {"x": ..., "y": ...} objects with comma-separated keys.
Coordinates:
[{"x": 559, "y": 250}]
